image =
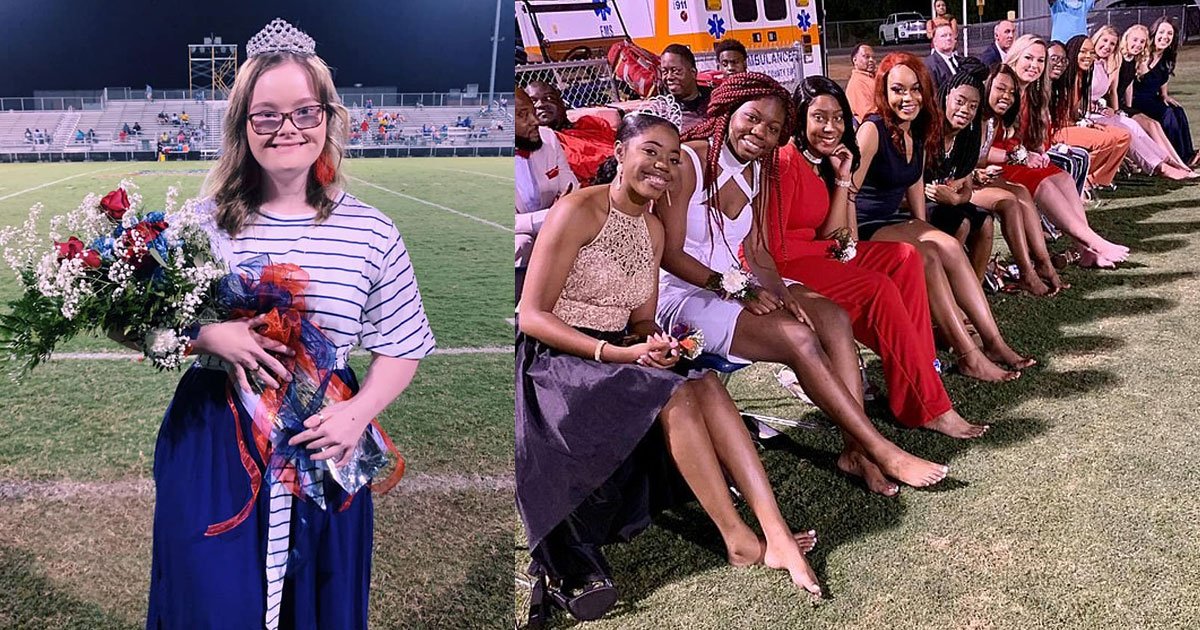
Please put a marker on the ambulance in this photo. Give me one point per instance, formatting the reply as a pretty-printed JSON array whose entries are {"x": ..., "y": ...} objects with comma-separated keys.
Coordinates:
[{"x": 783, "y": 37}]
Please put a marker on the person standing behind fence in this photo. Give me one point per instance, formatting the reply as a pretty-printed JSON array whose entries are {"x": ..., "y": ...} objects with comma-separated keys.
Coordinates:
[
  {"x": 731, "y": 55},
  {"x": 541, "y": 174},
  {"x": 943, "y": 62},
  {"x": 861, "y": 85},
  {"x": 941, "y": 15},
  {"x": 1003, "y": 35},
  {"x": 678, "y": 71},
  {"x": 1068, "y": 18},
  {"x": 587, "y": 142}
]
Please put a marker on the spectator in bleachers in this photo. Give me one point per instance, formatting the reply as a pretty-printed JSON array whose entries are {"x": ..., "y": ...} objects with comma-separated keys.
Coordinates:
[
  {"x": 180, "y": 138},
  {"x": 202, "y": 127},
  {"x": 149, "y": 93},
  {"x": 137, "y": 128},
  {"x": 542, "y": 175},
  {"x": 164, "y": 118},
  {"x": 587, "y": 142},
  {"x": 677, "y": 68},
  {"x": 79, "y": 135},
  {"x": 164, "y": 138},
  {"x": 444, "y": 128},
  {"x": 731, "y": 55},
  {"x": 458, "y": 122},
  {"x": 123, "y": 135},
  {"x": 184, "y": 118},
  {"x": 174, "y": 118},
  {"x": 28, "y": 135},
  {"x": 125, "y": 129},
  {"x": 365, "y": 126}
]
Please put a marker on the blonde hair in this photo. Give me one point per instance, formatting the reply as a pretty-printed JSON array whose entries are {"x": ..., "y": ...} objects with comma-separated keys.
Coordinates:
[
  {"x": 1145, "y": 54},
  {"x": 235, "y": 183},
  {"x": 1035, "y": 97},
  {"x": 1114, "y": 60}
]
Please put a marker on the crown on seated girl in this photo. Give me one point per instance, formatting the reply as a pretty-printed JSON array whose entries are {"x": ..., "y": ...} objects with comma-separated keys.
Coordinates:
[
  {"x": 662, "y": 106},
  {"x": 279, "y": 36}
]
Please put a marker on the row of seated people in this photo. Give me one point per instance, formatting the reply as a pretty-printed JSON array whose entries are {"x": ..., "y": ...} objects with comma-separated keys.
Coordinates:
[
  {"x": 779, "y": 230},
  {"x": 38, "y": 136},
  {"x": 174, "y": 118}
]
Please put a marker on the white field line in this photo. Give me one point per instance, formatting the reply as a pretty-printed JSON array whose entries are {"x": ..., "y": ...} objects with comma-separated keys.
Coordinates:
[
  {"x": 416, "y": 483},
  {"x": 459, "y": 170},
  {"x": 432, "y": 204},
  {"x": 58, "y": 181},
  {"x": 133, "y": 356}
]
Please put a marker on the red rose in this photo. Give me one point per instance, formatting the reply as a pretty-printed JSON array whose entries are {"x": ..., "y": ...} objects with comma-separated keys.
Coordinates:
[
  {"x": 91, "y": 258},
  {"x": 70, "y": 249},
  {"x": 115, "y": 204}
]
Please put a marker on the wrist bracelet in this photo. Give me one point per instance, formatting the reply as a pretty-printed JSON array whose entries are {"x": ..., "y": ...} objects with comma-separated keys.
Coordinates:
[
  {"x": 600, "y": 349},
  {"x": 843, "y": 183}
]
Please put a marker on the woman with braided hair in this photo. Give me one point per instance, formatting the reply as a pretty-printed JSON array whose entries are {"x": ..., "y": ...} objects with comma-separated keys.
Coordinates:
[
  {"x": 718, "y": 207},
  {"x": 894, "y": 145}
]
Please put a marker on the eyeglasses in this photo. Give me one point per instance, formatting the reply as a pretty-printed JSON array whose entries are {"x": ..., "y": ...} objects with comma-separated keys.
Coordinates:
[
  {"x": 1056, "y": 60},
  {"x": 306, "y": 117}
]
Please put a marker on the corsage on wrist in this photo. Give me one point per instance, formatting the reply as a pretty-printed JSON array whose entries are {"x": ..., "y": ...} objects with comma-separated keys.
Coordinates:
[
  {"x": 844, "y": 247},
  {"x": 1018, "y": 155},
  {"x": 734, "y": 284}
]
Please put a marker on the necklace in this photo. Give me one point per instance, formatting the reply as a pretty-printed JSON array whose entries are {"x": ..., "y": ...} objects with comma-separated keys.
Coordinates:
[{"x": 808, "y": 156}]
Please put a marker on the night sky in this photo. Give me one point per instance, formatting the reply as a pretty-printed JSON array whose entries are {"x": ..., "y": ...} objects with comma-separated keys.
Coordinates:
[{"x": 416, "y": 45}]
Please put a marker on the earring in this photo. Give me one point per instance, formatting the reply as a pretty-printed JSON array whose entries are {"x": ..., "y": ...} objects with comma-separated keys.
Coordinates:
[
  {"x": 617, "y": 179},
  {"x": 668, "y": 197}
]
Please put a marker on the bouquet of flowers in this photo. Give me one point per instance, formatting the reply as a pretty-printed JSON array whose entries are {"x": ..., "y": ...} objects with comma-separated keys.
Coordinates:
[
  {"x": 107, "y": 267},
  {"x": 844, "y": 247},
  {"x": 735, "y": 284},
  {"x": 152, "y": 278}
]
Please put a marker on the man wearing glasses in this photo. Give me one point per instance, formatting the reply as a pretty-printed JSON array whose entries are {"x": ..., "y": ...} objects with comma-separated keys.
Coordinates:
[{"x": 677, "y": 69}]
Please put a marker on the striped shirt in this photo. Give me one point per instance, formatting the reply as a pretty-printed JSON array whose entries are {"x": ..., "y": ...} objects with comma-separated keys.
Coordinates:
[{"x": 361, "y": 287}]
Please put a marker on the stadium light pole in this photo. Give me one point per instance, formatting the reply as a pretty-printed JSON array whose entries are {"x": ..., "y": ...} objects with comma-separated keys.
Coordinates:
[{"x": 495, "y": 45}]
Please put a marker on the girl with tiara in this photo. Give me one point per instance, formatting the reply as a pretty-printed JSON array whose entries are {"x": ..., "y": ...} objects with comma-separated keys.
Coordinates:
[
  {"x": 232, "y": 549},
  {"x": 609, "y": 429}
]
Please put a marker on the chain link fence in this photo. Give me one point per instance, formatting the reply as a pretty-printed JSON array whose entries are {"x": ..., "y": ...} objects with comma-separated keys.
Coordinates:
[
  {"x": 583, "y": 83},
  {"x": 980, "y": 36}
]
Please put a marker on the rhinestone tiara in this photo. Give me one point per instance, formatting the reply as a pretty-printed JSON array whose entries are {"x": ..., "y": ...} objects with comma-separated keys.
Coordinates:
[
  {"x": 279, "y": 36},
  {"x": 662, "y": 106}
]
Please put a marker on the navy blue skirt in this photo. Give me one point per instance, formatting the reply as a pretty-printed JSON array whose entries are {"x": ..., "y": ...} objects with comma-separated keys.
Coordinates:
[{"x": 200, "y": 581}]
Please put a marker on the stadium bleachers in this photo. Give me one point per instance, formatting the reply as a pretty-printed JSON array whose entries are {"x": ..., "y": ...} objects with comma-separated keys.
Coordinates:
[{"x": 108, "y": 122}]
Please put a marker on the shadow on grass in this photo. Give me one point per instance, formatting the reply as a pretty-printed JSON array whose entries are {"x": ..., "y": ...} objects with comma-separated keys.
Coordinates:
[
  {"x": 30, "y": 600},
  {"x": 813, "y": 494}
]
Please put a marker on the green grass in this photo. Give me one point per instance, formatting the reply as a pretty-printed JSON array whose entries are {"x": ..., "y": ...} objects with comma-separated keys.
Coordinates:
[
  {"x": 1077, "y": 510},
  {"x": 440, "y": 560}
]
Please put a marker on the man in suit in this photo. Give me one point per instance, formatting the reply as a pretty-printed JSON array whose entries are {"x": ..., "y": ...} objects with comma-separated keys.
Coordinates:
[
  {"x": 1004, "y": 33},
  {"x": 943, "y": 62}
]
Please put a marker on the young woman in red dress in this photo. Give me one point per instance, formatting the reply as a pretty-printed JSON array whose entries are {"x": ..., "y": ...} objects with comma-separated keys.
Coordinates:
[{"x": 883, "y": 287}]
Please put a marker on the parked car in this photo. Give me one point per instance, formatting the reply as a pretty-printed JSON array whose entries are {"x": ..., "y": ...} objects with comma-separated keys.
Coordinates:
[{"x": 902, "y": 27}]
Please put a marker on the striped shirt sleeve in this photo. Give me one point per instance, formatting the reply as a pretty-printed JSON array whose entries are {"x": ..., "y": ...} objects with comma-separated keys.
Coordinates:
[{"x": 393, "y": 319}]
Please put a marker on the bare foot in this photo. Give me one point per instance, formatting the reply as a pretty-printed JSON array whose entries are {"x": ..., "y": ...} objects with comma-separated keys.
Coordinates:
[
  {"x": 953, "y": 425},
  {"x": 806, "y": 541},
  {"x": 743, "y": 547},
  {"x": 1033, "y": 285},
  {"x": 1051, "y": 277},
  {"x": 978, "y": 366},
  {"x": 999, "y": 352},
  {"x": 857, "y": 464},
  {"x": 785, "y": 554},
  {"x": 910, "y": 469}
]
